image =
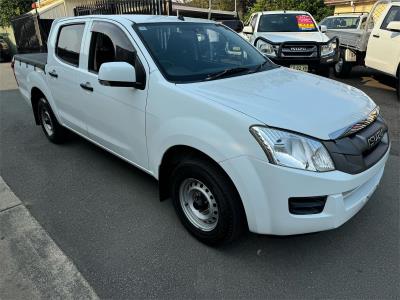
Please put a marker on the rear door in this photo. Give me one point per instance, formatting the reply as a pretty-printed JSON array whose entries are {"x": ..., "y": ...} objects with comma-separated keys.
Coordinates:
[
  {"x": 383, "y": 49},
  {"x": 116, "y": 115},
  {"x": 64, "y": 75}
]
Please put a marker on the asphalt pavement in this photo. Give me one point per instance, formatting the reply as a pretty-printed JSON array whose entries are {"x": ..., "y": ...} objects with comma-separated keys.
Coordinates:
[{"x": 107, "y": 218}]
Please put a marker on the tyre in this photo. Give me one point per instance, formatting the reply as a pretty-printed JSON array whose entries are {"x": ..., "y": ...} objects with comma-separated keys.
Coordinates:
[
  {"x": 324, "y": 71},
  {"x": 51, "y": 128},
  {"x": 398, "y": 87},
  {"x": 206, "y": 202},
  {"x": 342, "y": 68}
]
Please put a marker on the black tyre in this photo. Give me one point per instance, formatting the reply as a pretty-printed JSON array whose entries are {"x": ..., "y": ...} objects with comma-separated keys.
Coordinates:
[
  {"x": 51, "y": 128},
  {"x": 342, "y": 68},
  {"x": 206, "y": 202},
  {"x": 398, "y": 87}
]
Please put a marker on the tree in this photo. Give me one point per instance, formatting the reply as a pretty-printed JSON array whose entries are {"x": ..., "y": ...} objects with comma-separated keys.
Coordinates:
[
  {"x": 317, "y": 8},
  {"x": 12, "y": 8}
]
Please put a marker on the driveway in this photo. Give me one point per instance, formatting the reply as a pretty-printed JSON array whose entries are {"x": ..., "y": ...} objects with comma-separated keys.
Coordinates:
[{"x": 106, "y": 216}]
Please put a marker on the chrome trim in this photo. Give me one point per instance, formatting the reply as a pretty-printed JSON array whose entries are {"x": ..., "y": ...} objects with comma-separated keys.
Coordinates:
[{"x": 349, "y": 130}]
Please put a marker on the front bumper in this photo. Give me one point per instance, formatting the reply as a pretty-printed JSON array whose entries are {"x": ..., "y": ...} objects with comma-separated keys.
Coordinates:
[
  {"x": 314, "y": 64},
  {"x": 266, "y": 188}
]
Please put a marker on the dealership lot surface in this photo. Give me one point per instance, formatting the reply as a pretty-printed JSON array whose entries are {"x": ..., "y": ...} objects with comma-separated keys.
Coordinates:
[{"x": 106, "y": 217}]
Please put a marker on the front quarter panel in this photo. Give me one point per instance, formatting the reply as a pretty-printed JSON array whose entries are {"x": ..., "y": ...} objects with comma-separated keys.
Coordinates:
[{"x": 176, "y": 117}]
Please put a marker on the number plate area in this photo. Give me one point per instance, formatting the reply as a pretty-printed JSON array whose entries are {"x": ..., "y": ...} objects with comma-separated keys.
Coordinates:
[{"x": 303, "y": 68}]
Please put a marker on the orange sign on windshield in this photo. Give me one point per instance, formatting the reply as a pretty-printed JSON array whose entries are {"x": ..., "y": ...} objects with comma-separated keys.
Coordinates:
[{"x": 305, "y": 22}]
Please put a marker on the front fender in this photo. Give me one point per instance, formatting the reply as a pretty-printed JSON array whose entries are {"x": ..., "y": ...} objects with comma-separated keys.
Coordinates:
[{"x": 195, "y": 133}]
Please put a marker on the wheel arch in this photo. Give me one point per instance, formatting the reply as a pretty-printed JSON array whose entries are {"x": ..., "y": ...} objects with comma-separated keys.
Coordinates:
[
  {"x": 36, "y": 95},
  {"x": 172, "y": 156}
]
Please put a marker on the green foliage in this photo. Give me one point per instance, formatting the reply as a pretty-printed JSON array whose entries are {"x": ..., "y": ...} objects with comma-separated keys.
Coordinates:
[
  {"x": 316, "y": 8},
  {"x": 12, "y": 8}
]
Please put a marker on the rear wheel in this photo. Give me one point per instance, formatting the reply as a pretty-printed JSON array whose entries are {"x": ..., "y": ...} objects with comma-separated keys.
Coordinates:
[
  {"x": 342, "y": 68},
  {"x": 398, "y": 87},
  {"x": 51, "y": 128},
  {"x": 206, "y": 202}
]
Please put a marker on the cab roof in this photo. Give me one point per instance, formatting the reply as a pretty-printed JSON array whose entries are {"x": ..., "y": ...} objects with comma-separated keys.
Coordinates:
[
  {"x": 141, "y": 19},
  {"x": 273, "y": 12}
]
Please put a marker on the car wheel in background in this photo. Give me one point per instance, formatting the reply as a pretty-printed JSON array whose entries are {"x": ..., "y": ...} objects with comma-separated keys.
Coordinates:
[
  {"x": 207, "y": 202},
  {"x": 51, "y": 128},
  {"x": 398, "y": 83},
  {"x": 342, "y": 68}
]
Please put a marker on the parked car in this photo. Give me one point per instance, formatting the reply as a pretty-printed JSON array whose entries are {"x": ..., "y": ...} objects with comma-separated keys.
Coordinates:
[
  {"x": 292, "y": 39},
  {"x": 345, "y": 21},
  {"x": 383, "y": 50},
  {"x": 376, "y": 46},
  {"x": 234, "y": 140},
  {"x": 5, "y": 53}
]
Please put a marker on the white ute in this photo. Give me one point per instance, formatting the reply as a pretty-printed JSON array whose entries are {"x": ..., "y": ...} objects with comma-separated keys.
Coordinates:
[
  {"x": 292, "y": 39},
  {"x": 236, "y": 141}
]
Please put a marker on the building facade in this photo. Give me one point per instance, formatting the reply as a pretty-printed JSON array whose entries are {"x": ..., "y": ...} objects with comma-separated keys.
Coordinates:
[{"x": 346, "y": 6}]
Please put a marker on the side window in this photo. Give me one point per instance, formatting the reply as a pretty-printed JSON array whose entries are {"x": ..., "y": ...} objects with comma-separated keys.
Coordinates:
[
  {"x": 109, "y": 44},
  {"x": 393, "y": 15},
  {"x": 69, "y": 43}
]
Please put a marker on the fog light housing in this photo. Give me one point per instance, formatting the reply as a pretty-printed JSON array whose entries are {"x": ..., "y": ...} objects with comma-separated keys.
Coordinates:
[{"x": 307, "y": 205}]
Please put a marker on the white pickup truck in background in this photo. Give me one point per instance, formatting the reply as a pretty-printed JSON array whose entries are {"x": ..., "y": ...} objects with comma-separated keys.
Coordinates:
[
  {"x": 234, "y": 140},
  {"x": 376, "y": 45},
  {"x": 292, "y": 39},
  {"x": 345, "y": 22}
]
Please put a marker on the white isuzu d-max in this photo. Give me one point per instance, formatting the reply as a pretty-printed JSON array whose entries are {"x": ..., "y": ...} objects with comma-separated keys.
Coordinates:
[{"x": 236, "y": 141}]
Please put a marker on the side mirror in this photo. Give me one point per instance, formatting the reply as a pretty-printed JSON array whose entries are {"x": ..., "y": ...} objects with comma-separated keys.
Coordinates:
[
  {"x": 119, "y": 74},
  {"x": 248, "y": 29},
  {"x": 323, "y": 28},
  {"x": 394, "y": 26}
]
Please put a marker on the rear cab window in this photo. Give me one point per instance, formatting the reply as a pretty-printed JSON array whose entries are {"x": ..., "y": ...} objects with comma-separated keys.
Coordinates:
[{"x": 69, "y": 41}]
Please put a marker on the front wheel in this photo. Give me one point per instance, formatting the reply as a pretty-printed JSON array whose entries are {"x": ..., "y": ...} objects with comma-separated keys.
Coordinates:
[
  {"x": 342, "y": 68},
  {"x": 206, "y": 202},
  {"x": 398, "y": 87}
]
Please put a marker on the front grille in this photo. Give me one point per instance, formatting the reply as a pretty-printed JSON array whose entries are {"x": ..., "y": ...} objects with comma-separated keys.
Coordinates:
[
  {"x": 359, "y": 151},
  {"x": 297, "y": 51}
]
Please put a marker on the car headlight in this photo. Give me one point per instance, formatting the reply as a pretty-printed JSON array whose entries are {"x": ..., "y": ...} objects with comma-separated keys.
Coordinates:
[
  {"x": 266, "y": 48},
  {"x": 292, "y": 150},
  {"x": 328, "y": 49}
]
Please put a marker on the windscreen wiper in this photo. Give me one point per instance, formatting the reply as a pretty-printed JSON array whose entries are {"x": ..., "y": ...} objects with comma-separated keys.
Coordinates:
[
  {"x": 260, "y": 66},
  {"x": 226, "y": 72}
]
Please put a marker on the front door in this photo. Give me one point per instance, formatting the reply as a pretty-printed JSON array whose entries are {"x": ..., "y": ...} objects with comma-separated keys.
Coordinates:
[
  {"x": 383, "y": 49},
  {"x": 116, "y": 115}
]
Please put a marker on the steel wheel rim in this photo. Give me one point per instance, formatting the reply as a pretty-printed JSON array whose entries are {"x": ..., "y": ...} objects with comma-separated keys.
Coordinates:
[
  {"x": 198, "y": 204},
  {"x": 46, "y": 121},
  {"x": 339, "y": 65}
]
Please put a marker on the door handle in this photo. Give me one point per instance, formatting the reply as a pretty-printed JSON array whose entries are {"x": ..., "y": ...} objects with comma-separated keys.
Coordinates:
[
  {"x": 53, "y": 74},
  {"x": 376, "y": 36},
  {"x": 87, "y": 86}
]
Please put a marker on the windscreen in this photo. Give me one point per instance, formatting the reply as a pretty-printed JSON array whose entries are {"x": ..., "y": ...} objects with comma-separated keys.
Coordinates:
[
  {"x": 341, "y": 22},
  {"x": 286, "y": 23},
  {"x": 188, "y": 52}
]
